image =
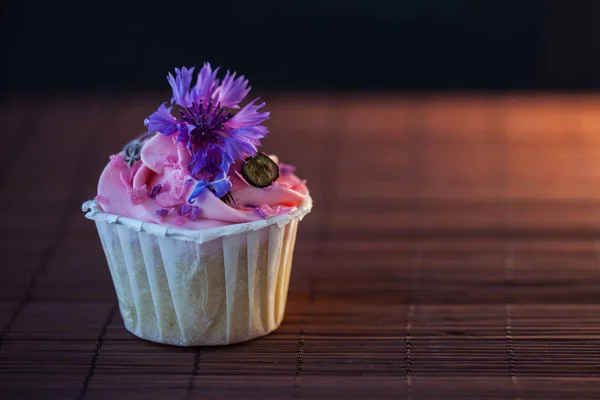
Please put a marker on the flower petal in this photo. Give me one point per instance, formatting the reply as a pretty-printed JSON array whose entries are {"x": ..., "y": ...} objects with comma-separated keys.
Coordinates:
[
  {"x": 200, "y": 186},
  {"x": 248, "y": 116},
  {"x": 162, "y": 121},
  {"x": 181, "y": 85},
  {"x": 232, "y": 91},
  {"x": 252, "y": 133},
  {"x": 243, "y": 142},
  {"x": 212, "y": 161},
  {"x": 221, "y": 186},
  {"x": 206, "y": 84},
  {"x": 240, "y": 148}
]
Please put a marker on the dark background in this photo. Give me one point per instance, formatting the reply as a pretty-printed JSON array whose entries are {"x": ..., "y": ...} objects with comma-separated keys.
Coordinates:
[{"x": 62, "y": 47}]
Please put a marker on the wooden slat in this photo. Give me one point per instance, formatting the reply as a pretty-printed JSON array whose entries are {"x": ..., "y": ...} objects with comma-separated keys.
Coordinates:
[{"x": 452, "y": 253}]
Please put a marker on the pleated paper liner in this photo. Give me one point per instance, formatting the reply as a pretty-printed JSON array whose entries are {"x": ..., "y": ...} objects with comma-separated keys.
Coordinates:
[{"x": 210, "y": 287}]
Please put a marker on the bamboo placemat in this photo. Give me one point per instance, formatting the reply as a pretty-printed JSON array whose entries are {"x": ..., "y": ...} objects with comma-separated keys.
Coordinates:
[{"x": 452, "y": 253}]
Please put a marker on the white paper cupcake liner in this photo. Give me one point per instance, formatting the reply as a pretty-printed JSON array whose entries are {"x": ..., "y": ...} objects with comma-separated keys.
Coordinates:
[{"x": 195, "y": 288}]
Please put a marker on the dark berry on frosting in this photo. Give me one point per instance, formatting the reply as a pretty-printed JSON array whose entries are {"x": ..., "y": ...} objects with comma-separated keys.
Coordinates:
[{"x": 260, "y": 171}]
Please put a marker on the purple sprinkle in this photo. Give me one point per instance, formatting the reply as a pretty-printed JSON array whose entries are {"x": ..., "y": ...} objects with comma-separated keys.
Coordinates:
[
  {"x": 260, "y": 212},
  {"x": 286, "y": 169},
  {"x": 162, "y": 212},
  {"x": 195, "y": 213},
  {"x": 184, "y": 209},
  {"x": 188, "y": 182},
  {"x": 155, "y": 191}
]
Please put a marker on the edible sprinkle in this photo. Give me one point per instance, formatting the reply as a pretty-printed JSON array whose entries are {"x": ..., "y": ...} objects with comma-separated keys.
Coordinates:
[
  {"x": 195, "y": 213},
  {"x": 162, "y": 212},
  {"x": 155, "y": 191},
  {"x": 261, "y": 212},
  {"x": 286, "y": 169},
  {"x": 192, "y": 212},
  {"x": 184, "y": 209}
]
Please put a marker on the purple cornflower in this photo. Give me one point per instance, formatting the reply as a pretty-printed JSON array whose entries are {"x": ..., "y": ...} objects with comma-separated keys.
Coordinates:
[{"x": 203, "y": 118}]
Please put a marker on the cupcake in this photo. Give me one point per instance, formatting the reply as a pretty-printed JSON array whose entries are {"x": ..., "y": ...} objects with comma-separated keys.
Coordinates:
[{"x": 198, "y": 226}]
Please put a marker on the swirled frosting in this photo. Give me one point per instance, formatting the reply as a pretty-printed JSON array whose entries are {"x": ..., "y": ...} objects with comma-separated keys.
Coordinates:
[{"x": 157, "y": 187}]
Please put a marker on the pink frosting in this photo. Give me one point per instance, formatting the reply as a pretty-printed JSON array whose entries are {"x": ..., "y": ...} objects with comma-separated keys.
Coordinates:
[{"x": 128, "y": 191}]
